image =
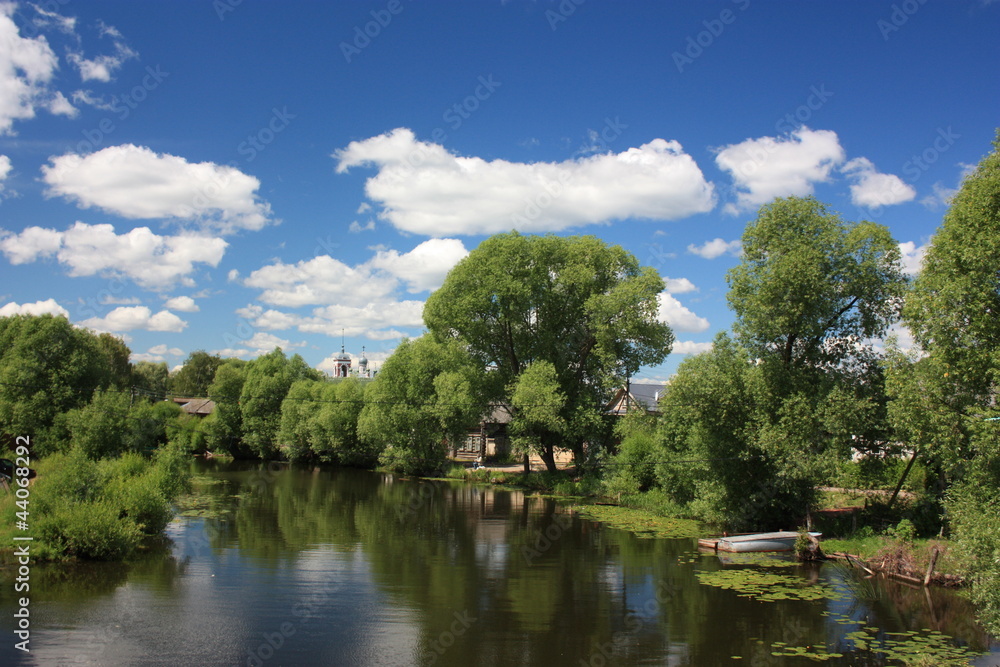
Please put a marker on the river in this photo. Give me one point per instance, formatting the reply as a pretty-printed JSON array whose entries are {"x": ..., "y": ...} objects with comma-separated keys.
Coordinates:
[{"x": 278, "y": 565}]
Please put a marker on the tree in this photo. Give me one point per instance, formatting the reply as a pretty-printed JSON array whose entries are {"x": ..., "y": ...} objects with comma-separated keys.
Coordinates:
[
  {"x": 948, "y": 406},
  {"x": 954, "y": 307},
  {"x": 810, "y": 286},
  {"x": 151, "y": 379},
  {"x": 116, "y": 359},
  {"x": 587, "y": 309},
  {"x": 268, "y": 379},
  {"x": 428, "y": 393},
  {"x": 196, "y": 375},
  {"x": 47, "y": 367},
  {"x": 225, "y": 429}
]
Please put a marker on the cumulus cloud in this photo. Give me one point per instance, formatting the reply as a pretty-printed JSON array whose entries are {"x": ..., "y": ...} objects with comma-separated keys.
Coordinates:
[
  {"x": 103, "y": 67},
  {"x": 360, "y": 300},
  {"x": 356, "y": 227},
  {"x": 258, "y": 344},
  {"x": 770, "y": 167},
  {"x": 5, "y": 168},
  {"x": 690, "y": 347},
  {"x": 26, "y": 69},
  {"x": 716, "y": 248},
  {"x": 674, "y": 313},
  {"x": 137, "y": 183},
  {"x": 423, "y": 188},
  {"x": 679, "y": 285},
  {"x": 912, "y": 257},
  {"x": 871, "y": 189},
  {"x": 424, "y": 267},
  {"x": 49, "y": 306},
  {"x": 153, "y": 262},
  {"x": 324, "y": 280},
  {"x": 131, "y": 318},
  {"x": 157, "y": 353},
  {"x": 183, "y": 304}
]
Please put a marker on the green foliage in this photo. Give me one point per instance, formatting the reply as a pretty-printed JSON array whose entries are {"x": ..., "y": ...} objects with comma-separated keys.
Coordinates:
[
  {"x": 100, "y": 428},
  {"x": 268, "y": 379},
  {"x": 196, "y": 375},
  {"x": 100, "y": 509},
  {"x": 225, "y": 430},
  {"x": 427, "y": 394},
  {"x": 48, "y": 368},
  {"x": 904, "y": 531},
  {"x": 810, "y": 285},
  {"x": 586, "y": 309},
  {"x": 974, "y": 510},
  {"x": 151, "y": 380},
  {"x": 633, "y": 469},
  {"x": 319, "y": 421}
]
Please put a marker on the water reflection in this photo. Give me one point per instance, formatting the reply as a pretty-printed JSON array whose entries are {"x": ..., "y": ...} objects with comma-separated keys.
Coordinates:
[{"x": 330, "y": 566}]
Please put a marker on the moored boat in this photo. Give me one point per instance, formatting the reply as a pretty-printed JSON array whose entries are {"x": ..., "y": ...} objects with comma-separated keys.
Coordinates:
[{"x": 783, "y": 540}]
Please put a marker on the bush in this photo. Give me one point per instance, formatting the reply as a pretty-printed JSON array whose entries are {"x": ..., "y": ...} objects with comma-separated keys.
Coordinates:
[{"x": 91, "y": 530}]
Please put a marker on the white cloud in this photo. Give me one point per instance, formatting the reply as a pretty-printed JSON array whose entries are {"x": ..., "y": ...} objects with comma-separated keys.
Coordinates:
[
  {"x": 184, "y": 304},
  {"x": 679, "y": 285},
  {"x": 26, "y": 68},
  {"x": 872, "y": 189},
  {"x": 912, "y": 257},
  {"x": 424, "y": 267},
  {"x": 58, "y": 105},
  {"x": 137, "y": 183},
  {"x": 320, "y": 280},
  {"x": 103, "y": 67},
  {"x": 153, "y": 262},
  {"x": 678, "y": 316},
  {"x": 5, "y": 168},
  {"x": 356, "y": 227},
  {"x": 37, "y": 308},
  {"x": 716, "y": 248},
  {"x": 157, "y": 353},
  {"x": 375, "y": 321},
  {"x": 770, "y": 167},
  {"x": 108, "y": 300},
  {"x": 690, "y": 347},
  {"x": 424, "y": 189},
  {"x": 131, "y": 318},
  {"x": 258, "y": 344}
]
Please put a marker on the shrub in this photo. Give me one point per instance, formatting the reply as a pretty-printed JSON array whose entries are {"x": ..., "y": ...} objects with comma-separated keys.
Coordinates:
[{"x": 91, "y": 530}]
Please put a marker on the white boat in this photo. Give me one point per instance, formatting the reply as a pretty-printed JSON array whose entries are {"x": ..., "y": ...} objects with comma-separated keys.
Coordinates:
[{"x": 783, "y": 540}]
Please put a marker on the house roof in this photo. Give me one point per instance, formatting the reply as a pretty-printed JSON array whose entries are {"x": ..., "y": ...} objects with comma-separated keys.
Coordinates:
[
  {"x": 648, "y": 394},
  {"x": 196, "y": 406}
]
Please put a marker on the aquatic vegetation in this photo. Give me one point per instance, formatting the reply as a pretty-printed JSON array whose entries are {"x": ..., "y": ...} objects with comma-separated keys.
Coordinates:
[
  {"x": 640, "y": 522},
  {"x": 768, "y": 586}
]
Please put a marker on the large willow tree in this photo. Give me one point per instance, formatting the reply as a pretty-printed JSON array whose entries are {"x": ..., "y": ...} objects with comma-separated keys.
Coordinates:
[
  {"x": 946, "y": 403},
  {"x": 585, "y": 309}
]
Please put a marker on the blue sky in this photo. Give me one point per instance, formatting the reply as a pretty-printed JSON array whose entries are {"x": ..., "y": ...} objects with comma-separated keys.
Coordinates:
[{"x": 231, "y": 176}]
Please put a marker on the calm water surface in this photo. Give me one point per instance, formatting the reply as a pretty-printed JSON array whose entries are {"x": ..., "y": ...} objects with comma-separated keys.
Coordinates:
[{"x": 301, "y": 566}]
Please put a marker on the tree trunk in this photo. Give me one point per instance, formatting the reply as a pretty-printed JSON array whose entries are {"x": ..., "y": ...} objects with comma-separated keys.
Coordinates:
[{"x": 549, "y": 458}]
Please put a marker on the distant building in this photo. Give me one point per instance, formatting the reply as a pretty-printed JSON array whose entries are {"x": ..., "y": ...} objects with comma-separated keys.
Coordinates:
[
  {"x": 637, "y": 396},
  {"x": 200, "y": 407}
]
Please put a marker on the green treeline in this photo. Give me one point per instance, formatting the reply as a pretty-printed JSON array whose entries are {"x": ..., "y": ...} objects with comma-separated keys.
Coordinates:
[{"x": 550, "y": 327}]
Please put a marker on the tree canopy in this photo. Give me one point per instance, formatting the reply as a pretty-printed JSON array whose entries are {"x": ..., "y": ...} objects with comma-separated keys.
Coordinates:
[
  {"x": 811, "y": 286},
  {"x": 585, "y": 308}
]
